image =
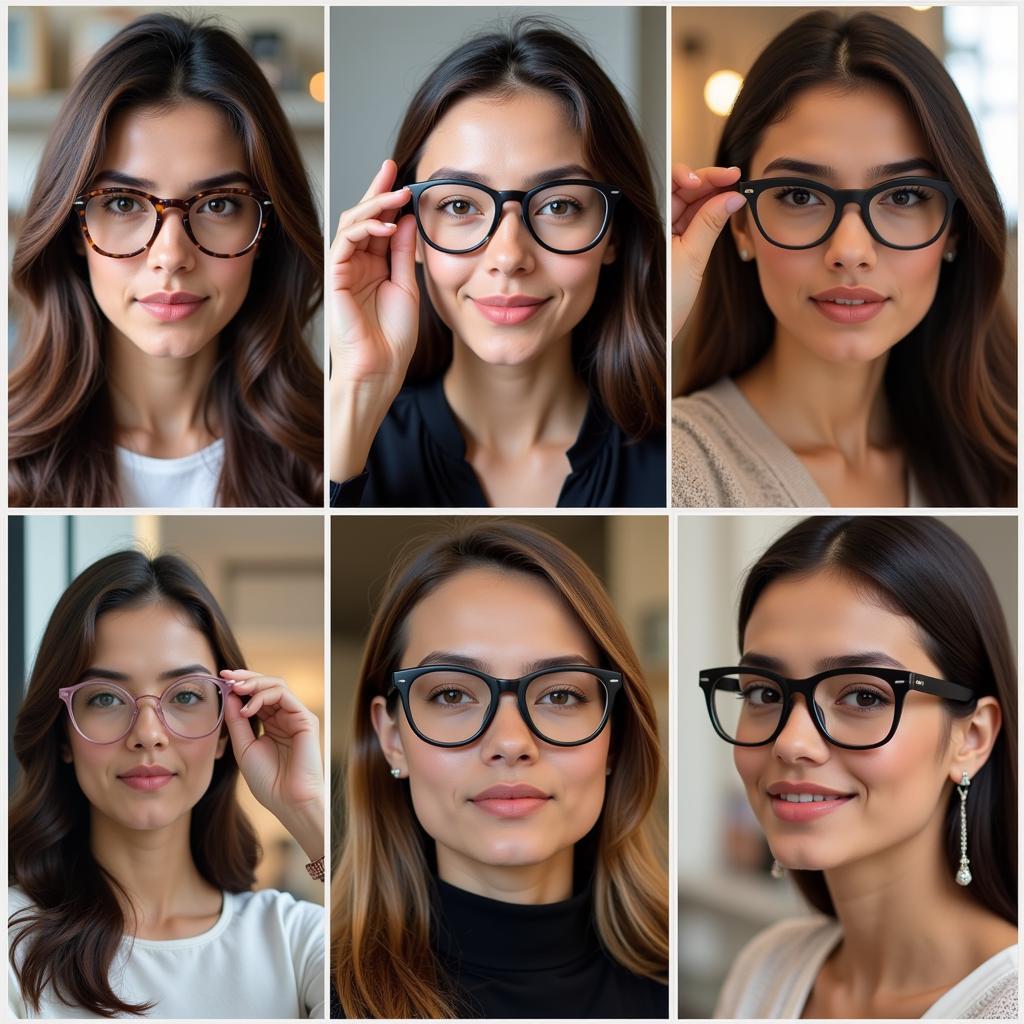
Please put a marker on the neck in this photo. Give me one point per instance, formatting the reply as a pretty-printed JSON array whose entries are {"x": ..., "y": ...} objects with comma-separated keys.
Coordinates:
[
  {"x": 510, "y": 409},
  {"x": 159, "y": 403},
  {"x": 812, "y": 403},
  {"x": 533, "y": 884}
]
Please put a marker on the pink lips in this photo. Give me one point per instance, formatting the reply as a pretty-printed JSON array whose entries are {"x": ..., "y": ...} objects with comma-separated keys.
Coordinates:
[
  {"x": 866, "y": 304},
  {"x": 510, "y": 801},
  {"x": 147, "y": 777},
  {"x": 171, "y": 306},
  {"x": 790, "y": 811},
  {"x": 508, "y": 309}
]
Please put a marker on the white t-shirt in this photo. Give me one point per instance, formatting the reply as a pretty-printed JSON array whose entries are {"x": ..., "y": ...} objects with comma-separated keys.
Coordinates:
[
  {"x": 774, "y": 975},
  {"x": 264, "y": 958},
  {"x": 189, "y": 482}
]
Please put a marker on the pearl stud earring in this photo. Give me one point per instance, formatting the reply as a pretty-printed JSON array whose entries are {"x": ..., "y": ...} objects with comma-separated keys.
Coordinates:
[{"x": 396, "y": 773}]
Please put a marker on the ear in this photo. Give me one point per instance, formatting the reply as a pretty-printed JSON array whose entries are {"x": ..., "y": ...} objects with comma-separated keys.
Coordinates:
[
  {"x": 419, "y": 247},
  {"x": 609, "y": 254},
  {"x": 65, "y": 753},
  {"x": 739, "y": 225},
  {"x": 973, "y": 739},
  {"x": 222, "y": 743},
  {"x": 388, "y": 735}
]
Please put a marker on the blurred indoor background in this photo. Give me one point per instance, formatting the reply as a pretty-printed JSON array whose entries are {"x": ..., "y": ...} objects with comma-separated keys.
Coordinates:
[
  {"x": 266, "y": 573},
  {"x": 713, "y": 47},
  {"x": 628, "y": 553},
  {"x": 726, "y": 894}
]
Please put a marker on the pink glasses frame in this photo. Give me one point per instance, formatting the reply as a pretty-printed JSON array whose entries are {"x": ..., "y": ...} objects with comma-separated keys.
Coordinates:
[{"x": 67, "y": 694}]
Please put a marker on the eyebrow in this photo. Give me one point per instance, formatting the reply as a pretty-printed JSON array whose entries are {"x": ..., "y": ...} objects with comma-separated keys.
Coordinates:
[
  {"x": 453, "y": 658},
  {"x": 121, "y": 677},
  {"x": 859, "y": 659},
  {"x": 552, "y": 174},
  {"x": 892, "y": 170},
  {"x": 219, "y": 180}
]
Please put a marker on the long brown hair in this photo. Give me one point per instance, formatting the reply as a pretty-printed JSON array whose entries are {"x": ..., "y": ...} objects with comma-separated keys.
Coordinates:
[
  {"x": 77, "y": 919},
  {"x": 266, "y": 387},
  {"x": 920, "y": 568},
  {"x": 951, "y": 383},
  {"x": 619, "y": 346},
  {"x": 383, "y": 963}
]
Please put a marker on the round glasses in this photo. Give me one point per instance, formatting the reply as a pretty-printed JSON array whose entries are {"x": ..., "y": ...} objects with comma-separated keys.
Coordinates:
[
  {"x": 191, "y": 707},
  {"x": 852, "y": 708},
  {"x": 568, "y": 216},
  {"x": 124, "y": 222},
  {"x": 797, "y": 213},
  {"x": 450, "y": 706}
]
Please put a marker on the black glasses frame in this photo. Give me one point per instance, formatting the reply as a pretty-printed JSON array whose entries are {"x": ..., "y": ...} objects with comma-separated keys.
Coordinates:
[
  {"x": 161, "y": 206},
  {"x": 841, "y": 197},
  {"x": 901, "y": 681},
  {"x": 610, "y": 192},
  {"x": 402, "y": 680}
]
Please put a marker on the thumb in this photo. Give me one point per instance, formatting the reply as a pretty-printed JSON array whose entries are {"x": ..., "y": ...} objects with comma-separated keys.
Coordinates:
[
  {"x": 697, "y": 241},
  {"x": 240, "y": 730}
]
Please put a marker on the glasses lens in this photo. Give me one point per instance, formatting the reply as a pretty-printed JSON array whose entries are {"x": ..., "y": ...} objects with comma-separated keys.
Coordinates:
[
  {"x": 192, "y": 706},
  {"x": 225, "y": 223},
  {"x": 747, "y": 706},
  {"x": 567, "y": 707},
  {"x": 102, "y": 712},
  {"x": 909, "y": 215},
  {"x": 455, "y": 217},
  {"x": 794, "y": 214},
  {"x": 120, "y": 223},
  {"x": 857, "y": 708},
  {"x": 568, "y": 217},
  {"x": 448, "y": 706}
]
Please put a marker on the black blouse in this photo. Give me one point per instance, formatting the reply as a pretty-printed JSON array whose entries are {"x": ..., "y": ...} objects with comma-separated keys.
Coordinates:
[{"x": 418, "y": 458}]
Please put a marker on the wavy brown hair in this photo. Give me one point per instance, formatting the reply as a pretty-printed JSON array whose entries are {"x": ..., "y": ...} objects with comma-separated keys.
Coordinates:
[
  {"x": 266, "y": 390},
  {"x": 383, "y": 963},
  {"x": 79, "y": 913},
  {"x": 951, "y": 383},
  {"x": 619, "y": 346},
  {"x": 918, "y": 567}
]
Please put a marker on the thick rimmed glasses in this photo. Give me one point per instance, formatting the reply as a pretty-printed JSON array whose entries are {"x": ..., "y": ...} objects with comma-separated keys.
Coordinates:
[
  {"x": 797, "y": 213},
  {"x": 450, "y": 705},
  {"x": 567, "y": 216},
  {"x": 221, "y": 222},
  {"x": 852, "y": 708},
  {"x": 101, "y": 712}
]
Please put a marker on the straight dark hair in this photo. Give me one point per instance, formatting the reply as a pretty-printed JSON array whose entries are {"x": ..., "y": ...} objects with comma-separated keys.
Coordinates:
[
  {"x": 266, "y": 387},
  {"x": 919, "y": 567},
  {"x": 619, "y": 346},
  {"x": 951, "y": 383},
  {"x": 77, "y": 919}
]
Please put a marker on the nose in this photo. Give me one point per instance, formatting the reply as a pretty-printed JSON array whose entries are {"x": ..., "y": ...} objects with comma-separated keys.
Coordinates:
[
  {"x": 851, "y": 245},
  {"x": 172, "y": 249},
  {"x": 148, "y": 730},
  {"x": 511, "y": 249},
  {"x": 800, "y": 739},
  {"x": 508, "y": 738}
]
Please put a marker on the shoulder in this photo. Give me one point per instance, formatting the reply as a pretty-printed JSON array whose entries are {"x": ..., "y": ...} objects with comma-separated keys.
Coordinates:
[
  {"x": 269, "y": 911},
  {"x": 992, "y": 992}
]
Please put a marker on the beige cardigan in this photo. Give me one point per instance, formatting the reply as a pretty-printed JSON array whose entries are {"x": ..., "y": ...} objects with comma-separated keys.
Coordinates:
[{"x": 725, "y": 456}]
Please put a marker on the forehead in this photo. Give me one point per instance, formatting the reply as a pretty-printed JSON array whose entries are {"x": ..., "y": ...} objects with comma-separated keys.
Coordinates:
[
  {"x": 850, "y": 130},
  {"x": 149, "y": 639},
  {"x": 503, "y": 138}
]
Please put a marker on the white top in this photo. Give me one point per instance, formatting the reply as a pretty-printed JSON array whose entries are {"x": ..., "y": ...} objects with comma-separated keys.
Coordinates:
[
  {"x": 774, "y": 975},
  {"x": 264, "y": 958},
  {"x": 189, "y": 482}
]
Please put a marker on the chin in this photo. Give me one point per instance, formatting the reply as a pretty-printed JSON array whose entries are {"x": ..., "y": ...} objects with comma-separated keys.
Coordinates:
[
  {"x": 513, "y": 854},
  {"x": 849, "y": 346},
  {"x": 169, "y": 344},
  {"x": 504, "y": 348}
]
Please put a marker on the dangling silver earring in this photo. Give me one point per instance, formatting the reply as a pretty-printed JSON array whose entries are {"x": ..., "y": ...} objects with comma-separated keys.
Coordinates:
[
  {"x": 963, "y": 875},
  {"x": 744, "y": 255},
  {"x": 949, "y": 256},
  {"x": 396, "y": 773},
  {"x": 778, "y": 871}
]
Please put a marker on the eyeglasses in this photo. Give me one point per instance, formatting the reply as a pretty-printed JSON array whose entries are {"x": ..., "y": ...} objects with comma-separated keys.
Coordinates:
[
  {"x": 124, "y": 222},
  {"x": 101, "y": 712},
  {"x": 450, "y": 706},
  {"x": 902, "y": 213},
  {"x": 567, "y": 216},
  {"x": 852, "y": 708}
]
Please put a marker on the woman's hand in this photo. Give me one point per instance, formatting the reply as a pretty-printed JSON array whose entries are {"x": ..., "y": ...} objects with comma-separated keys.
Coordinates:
[
  {"x": 282, "y": 767},
  {"x": 374, "y": 318},
  {"x": 701, "y": 206}
]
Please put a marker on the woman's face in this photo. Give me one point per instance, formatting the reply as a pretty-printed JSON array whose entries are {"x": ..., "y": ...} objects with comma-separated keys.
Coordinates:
[
  {"x": 171, "y": 153},
  {"x": 505, "y": 622},
  {"x": 885, "y": 797},
  {"x": 509, "y": 142},
  {"x": 854, "y": 138},
  {"x": 144, "y": 649}
]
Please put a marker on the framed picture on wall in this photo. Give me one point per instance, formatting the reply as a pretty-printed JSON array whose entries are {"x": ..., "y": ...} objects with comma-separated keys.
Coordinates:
[{"x": 28, "y": 51}]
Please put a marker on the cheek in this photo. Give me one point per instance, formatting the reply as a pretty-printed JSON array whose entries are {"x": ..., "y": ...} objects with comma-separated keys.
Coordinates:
[{"x": 750, "y": 763}]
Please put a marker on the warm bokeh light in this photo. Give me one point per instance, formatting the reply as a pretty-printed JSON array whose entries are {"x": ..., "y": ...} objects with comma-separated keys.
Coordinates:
[
  {"x": 721, "y": 90},
  {"x": 316, "y": 86},
  {"x": 926, "y": 7}
]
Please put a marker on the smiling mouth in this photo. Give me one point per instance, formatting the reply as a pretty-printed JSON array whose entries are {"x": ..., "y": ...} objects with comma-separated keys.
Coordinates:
[{"x": 805, "y": 798}]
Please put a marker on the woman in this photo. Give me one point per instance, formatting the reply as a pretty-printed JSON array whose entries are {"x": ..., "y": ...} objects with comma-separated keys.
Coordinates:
[
  {"x": 163, "y": 359},
  {"x": 495, "y": 859},
  {"x": 131, "y": 859},
  {"x": 531, "y": 371},
  {"x": 874, "y": 723},
  {"x": 849, "y": 349}
]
